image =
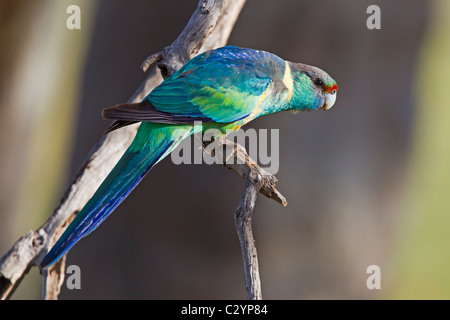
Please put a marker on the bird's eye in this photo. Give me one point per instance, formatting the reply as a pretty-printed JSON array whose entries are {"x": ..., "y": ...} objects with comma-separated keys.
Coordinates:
[
  {"x": 334, "y": 91},
  {"x": 318, "y": 82}
]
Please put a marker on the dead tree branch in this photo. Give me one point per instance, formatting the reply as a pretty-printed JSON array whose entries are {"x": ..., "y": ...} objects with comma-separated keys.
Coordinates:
[
  {"x": 243, "y": 222},
  {"x": 208, "y": 28}
]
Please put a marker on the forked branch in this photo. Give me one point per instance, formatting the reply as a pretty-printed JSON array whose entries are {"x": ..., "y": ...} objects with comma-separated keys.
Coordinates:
[{"x": 208, "y": 28}]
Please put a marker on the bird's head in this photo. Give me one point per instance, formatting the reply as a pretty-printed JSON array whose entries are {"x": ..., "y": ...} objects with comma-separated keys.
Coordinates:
[{"x": 313, "y": 88}]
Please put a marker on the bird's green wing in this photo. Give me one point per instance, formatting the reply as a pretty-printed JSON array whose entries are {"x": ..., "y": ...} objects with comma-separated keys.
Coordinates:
[{"x": 225, "y": 85}]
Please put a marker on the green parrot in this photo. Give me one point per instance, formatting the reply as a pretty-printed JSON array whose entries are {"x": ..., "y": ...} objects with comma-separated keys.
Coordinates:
[{"x": 224, "y": 89}]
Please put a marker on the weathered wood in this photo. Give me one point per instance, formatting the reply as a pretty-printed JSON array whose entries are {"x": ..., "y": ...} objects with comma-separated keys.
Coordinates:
[
  {"x": 243, "y": 222},
  {"x": 257, "y": 180},
  {"x": 243, "y": 165},
  {"x": 107, "y": 152},
  {"x": 208, "y": 28},
  {"x": 16, "y": 263},
  {"x": 54, "y": 276}
]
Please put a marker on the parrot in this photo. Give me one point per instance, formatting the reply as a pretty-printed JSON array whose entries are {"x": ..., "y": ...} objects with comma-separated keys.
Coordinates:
[{"x": 224, "y": 88}]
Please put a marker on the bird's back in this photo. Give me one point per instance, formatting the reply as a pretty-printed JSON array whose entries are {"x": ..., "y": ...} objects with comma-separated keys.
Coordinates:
[{"x": 225, "y": 85}]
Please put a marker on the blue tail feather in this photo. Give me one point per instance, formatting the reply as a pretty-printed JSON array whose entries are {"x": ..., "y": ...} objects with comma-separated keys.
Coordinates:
[{"x": 128, "y": 172}]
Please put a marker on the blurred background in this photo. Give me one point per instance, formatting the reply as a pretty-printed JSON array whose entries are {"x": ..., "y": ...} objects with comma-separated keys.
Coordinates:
[{"x": 367, "y": 183}]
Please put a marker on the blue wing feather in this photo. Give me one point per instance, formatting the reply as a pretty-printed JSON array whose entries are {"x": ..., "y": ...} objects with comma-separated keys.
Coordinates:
[
  {"x": 224, "y": 84},
  {"x": 128, "y": 172}
]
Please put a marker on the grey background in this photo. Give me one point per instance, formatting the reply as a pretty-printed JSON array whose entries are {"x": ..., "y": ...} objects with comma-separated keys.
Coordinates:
[{"x": 342, "y": 171}]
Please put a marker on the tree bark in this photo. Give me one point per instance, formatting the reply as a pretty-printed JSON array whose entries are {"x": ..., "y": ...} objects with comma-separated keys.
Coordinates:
[{"x": 208, "y": 28}]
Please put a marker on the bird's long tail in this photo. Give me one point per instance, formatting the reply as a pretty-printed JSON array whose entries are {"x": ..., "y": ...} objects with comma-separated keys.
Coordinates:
[{"x": 152, "y": 143}]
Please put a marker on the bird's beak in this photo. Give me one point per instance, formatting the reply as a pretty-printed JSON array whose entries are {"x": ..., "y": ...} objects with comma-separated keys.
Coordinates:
[{"x": 330, "y": 99}]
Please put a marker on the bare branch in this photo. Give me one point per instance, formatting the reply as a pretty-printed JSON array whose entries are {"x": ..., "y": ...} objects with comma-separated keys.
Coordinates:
[
  {"x": 54, "y": 279},
  {"x": 256, "y": 180},
  {"x": 31, "y": 249},
  {"x": 16, "y": 263},
  {"x": 54, "y": 276},
  {"x": 208, "y": 28},
  {"x": 243, "y": 165},
  {"x": 243, "y": 222}
]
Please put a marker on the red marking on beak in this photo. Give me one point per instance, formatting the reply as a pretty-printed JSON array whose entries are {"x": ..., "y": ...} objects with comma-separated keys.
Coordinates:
[{"x": 330, "y": 89}]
